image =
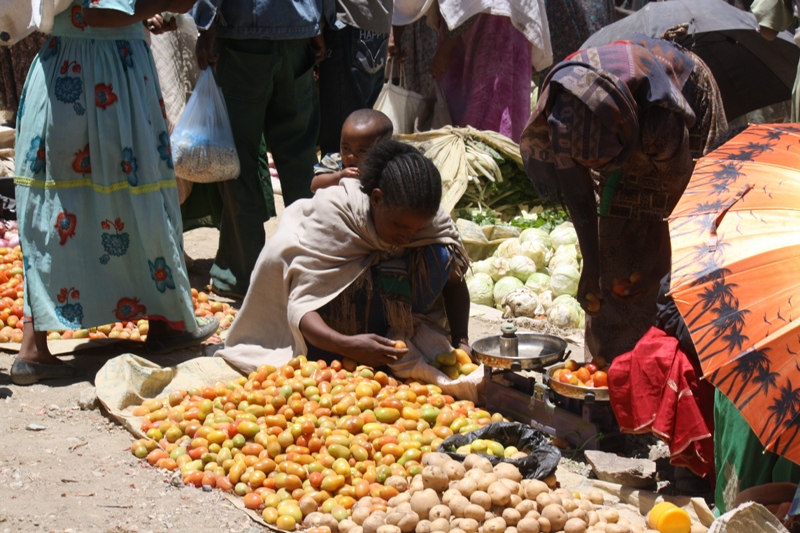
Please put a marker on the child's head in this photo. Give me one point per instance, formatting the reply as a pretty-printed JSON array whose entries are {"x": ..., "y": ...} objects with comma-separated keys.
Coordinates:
[{"x": 360, "y": 132}]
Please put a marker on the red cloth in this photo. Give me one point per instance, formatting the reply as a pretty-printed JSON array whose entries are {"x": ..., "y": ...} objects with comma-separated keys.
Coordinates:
[{"x": 656, "y": 388}]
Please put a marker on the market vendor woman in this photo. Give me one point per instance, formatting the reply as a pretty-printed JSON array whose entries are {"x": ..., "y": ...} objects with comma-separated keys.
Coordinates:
[
  {"x": 616, "y": 133},
  {"x": 356, "y": 268}
]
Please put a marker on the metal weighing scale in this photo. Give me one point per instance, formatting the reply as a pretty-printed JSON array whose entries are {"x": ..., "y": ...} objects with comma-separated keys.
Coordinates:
[{"x": 518, "y": 377}]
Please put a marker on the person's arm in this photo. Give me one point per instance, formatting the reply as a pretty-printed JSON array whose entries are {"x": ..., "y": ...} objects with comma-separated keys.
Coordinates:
[
  {"x": 367, "y": 349},
  {"x": 395, "y": 48},
  {"x": 773, "y": 16},
  {"x": 99, "y": 17},
  {"x": 456, "y": 305},
  {"x": 328, "y": 179}
]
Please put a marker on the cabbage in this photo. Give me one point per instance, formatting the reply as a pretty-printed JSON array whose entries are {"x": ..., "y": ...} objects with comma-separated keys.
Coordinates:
[
  {"x": 563, "y": 260},
  {"x": 521, "y": 267},
  {"x": 564, "y": 280},
  {"x": 536, "y": 234},
  {"x": 498, "y": 267},
  {"x": 563, "y": 315},
  {"x": 537, "y": 252},
  {"x": 482, "y": 267},
  {"x": 568, "y": 249},
  {"x": 521, "y": 301},
  {"x": 508, "y": 248},
  {"x": 504, "y": 286},
  {"x": 480, "y": 289},
  {"x": 538, "y": 282},
  {"x": 545, "y": 301},
  {"x": 564, "y": 234},
  {"x": 565, "y": 299}
]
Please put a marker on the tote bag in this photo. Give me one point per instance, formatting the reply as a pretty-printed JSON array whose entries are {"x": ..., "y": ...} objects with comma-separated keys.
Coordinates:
[{"x": 398, "y": 103}]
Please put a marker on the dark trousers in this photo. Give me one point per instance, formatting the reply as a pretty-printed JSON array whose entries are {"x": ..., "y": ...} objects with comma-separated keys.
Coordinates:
[
  {"x": 350, "y": 78},
  {"x": 269, "y": 89}
]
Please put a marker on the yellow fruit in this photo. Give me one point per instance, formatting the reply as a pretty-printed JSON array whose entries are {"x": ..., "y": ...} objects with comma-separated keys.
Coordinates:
[
  {"x": 462, "y": 357},
  {"x": 446, "y": 359},
  {"x": 450, "y": 371},
  {"x": 467, "y": 368}
]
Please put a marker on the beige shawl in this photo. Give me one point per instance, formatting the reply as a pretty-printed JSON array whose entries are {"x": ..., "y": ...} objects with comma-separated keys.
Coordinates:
[{"x": 321, "y": 246}]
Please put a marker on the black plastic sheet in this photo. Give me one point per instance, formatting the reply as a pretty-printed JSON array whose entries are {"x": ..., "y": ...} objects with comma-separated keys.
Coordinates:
[{"x": 542, "y": 459}]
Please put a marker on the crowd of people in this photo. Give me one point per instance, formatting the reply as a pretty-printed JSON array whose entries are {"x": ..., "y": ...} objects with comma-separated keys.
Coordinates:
[{"x": 365, "y": 264}]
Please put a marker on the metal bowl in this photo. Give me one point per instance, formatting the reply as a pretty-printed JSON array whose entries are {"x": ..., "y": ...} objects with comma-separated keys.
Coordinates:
[
  {"x": 574, "y": 391},
  {"x": 536, "y": 351}
]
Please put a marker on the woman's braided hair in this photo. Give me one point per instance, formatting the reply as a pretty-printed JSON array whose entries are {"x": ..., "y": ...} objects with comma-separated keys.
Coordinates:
[{"x": 408, "y": 180}]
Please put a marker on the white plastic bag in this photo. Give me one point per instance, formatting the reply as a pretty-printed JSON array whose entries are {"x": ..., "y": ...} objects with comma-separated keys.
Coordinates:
[
  {"x": 203, "y": 150},
  {"x": 397, "y": 102}
]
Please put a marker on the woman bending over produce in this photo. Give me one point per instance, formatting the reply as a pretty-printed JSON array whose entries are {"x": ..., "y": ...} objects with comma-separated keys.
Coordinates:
[
  {"x": 357, "y": 266},
  {"x": 615, "y": 134},
  {"x": 99, "y": 220}
]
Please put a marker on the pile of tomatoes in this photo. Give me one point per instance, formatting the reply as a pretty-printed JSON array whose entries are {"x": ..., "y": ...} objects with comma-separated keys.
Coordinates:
[
  {"x": 592, "y": 375},
  {"x": 11, "y": 294},
  {"x": 304, "y": 437}
]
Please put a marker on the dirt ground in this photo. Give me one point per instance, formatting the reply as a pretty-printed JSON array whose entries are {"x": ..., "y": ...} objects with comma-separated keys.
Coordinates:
[{"x": 65, "y": 467}]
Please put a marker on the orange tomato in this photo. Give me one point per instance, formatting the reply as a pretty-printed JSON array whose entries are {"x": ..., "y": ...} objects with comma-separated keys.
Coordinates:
[{"x": 600, "y": 379}]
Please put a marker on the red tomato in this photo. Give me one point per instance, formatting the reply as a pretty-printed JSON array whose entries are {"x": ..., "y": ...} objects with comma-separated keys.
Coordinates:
[{"x": 600, "y": 379}]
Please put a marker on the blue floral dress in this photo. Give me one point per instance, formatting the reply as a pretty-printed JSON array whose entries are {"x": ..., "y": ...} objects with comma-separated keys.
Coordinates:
[{"x": 100, "y": 224}]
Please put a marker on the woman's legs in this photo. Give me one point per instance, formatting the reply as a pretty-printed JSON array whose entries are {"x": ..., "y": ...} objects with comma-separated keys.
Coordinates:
[{"x": 35, "y": 362}]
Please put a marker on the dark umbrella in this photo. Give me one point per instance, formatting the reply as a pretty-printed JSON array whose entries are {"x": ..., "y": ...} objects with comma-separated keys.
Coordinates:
[{"x": 751, "y": 71}]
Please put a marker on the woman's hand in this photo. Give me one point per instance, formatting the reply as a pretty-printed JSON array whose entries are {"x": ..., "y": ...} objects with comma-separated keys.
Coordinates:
[
  {"x": 372, "y": 349},
  {"x": 441, "y": 60},
  {"x": 157, "y": 25},
  {"x": 204, "y": 49},
  {"x": 395, "y": 48},
  {"x": 590, "y": 295}
]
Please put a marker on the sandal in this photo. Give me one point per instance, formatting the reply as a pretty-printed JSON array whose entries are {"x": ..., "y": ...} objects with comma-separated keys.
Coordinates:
[
  {"x": 160, "y": 345},
  {"x": 227, "y": 294},
  {"x": 29, "y": 372}
]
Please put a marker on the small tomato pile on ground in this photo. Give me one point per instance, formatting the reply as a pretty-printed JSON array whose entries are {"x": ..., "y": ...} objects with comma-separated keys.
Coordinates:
[
  {"x": 303, "y": 438},
  {"x": 592, "y": 375}
]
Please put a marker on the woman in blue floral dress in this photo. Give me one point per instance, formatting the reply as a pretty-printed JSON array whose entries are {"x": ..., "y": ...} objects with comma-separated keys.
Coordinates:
[{"x": 100, "y": 224}]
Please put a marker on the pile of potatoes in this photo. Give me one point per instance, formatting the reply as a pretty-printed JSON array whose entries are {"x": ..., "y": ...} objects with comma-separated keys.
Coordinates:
[{"x": 474, "y": 497}]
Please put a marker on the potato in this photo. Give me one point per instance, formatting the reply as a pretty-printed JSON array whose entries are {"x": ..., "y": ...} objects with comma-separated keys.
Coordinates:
[
  {"x": 586, "y": 505},
  {"x": 488, "y": 515},
  {"x": 592, "y": 518},
  {"x": 514, "y": 501},
  {"x": 454, "y": 470},
  {"x": 534, "y": 487},
  {"x": 312, "y": 519},
  {"x": 440, "y": 511},
  {"x": 457, "y": 506},
  {"x": 551, "y": 481},
  {"x": 518, "y": 455},
  {"x": 346, "y": 525},
  {"x": 616, "y": 528},
  {"x": 400, "y": 498},
  {"x": 423, "y": 526},
  {"x": 526, "y": 505},
  {"x": 469, "y": 460},
  {"x": 611, "y": 515},
  {"x": 422, "y": 502},
  {"x": 570, "y": 505},
  {"x": 495, "y": 525},
  {"x": 357, "y": 529},
  {"x": 481, "y": 498},
  {"x": 511, "y": 516},
  {"x": 544, "y": 525},
  {"x": 513, "y": 486},
  {"x": 508, "y": 471},
  {"x": 698, "y": 528},
  {"x": 544, "y": 499},
  {"x": 388, "y": 529},
  {"x": 476, "y": 512},
  {"x": 499, "y": 493},
  {"x": 406, "y": 520},
  {"x": 434, "y": 477},
  {"x": 486, "y": 480},
  {"x": 416, "y": 484},
  {"x": 481, "y": 463},
  {"x": 440, "y": 524},
  {"x": 532, "y": 514},
  {"x": 398, "y": 483},
  {"x": 636, "y": 528},
  {"x": 329, "y": 521},
  {"x": 435, "y": 459},
  {"x": 467, "y": 486},
  {"x": 511, "y": 530},
  {"x": 404, "y": 507},
  {"x": 596, "y": 497},
  {"x": 556, "y": 515},
  {"x": 373, "y": 522},
  {"x": 457, "y": 530},
  {"x": 578, "y": 513},
  {"x": 449, "y": 495},
  {"x": 470, "y": 525},
  {"x": 360, "y": 514},
  {"x": 528, "y": 525},
  {"x": 476, "y": 474},
  {"x": 575, "y": 525}
]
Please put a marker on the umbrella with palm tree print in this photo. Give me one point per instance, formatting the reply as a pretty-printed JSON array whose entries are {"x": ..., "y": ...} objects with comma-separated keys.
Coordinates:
[{"x": 736, "y": 276}]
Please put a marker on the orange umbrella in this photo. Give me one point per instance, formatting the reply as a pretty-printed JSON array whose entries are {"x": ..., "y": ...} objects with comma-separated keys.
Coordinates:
[{"x": 736, "y": 276}]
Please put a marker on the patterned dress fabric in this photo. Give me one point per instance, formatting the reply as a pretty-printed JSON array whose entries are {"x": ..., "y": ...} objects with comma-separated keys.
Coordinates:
[{"x": 100, "y": 224}]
